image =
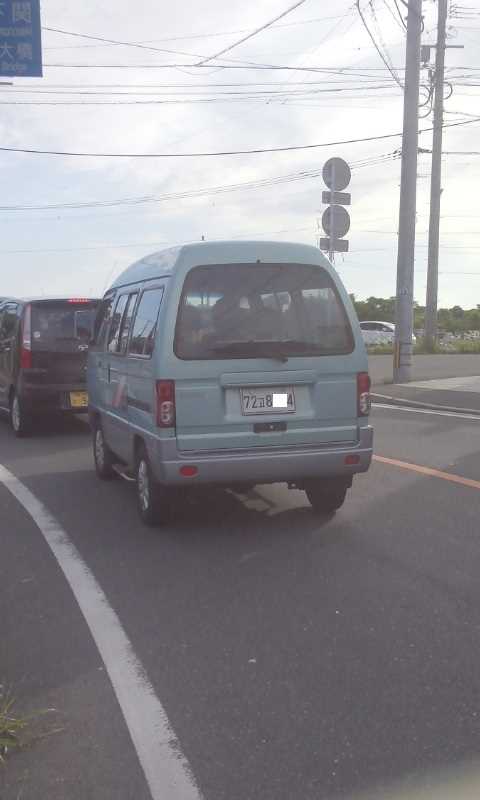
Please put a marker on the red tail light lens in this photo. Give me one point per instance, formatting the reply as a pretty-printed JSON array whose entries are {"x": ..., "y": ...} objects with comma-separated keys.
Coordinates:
[
  {"x": 364, "y": 402},
  {"x": 189, "y": 471},
  {"x": 26, "y": 346},
  {"x": 165, "y": 404}
]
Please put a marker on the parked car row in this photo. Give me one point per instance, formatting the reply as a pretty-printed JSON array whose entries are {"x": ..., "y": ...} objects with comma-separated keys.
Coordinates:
[{"x": 225, "y": 363}]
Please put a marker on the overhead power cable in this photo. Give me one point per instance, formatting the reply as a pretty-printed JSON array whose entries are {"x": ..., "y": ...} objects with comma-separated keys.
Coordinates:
[
  {"x": 253, "y": 151},
  {"x": 195, "y": 193},
  {"x": 141, "y": 46},
  {"x": 375, "y": 44},
  {"x": 400, "y": 14},
  {"x": 252, "y": 34},
  {"x": 176, "y": 38}
]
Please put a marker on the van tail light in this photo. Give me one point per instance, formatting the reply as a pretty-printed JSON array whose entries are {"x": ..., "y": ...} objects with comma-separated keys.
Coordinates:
[
  {"x": 165, "y": 404},
  {"x": 364, "y": 402},
  {"x": 26, "y": 344}
]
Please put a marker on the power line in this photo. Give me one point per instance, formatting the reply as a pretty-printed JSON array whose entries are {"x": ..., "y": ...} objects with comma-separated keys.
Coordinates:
[
  {"x": 377, "y": 48},
  {"x": 203, "y": 59},
  {"x": 241, "y": 65},
  {"x": 400, "y": 14},
  {"x": 150, "y": 244},
  {"x": 251, "y": 35},
  {"x": 183, "y": 38},
  {"x": 253, "y": 151},
  {"x": 195, "y": 193},
  {"x": 400, "y": 22},
  {"x": 225, "y": 97}
]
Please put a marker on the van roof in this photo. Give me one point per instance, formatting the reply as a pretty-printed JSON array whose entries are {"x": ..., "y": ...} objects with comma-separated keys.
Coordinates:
[
  {"x": 50, "y": 299},
  {"x": 165, "y": 262}
]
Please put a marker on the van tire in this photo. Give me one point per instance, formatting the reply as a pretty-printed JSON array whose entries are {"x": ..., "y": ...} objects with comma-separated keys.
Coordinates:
[
  {"x": 21, "y": 424},
  {"x": 102, "y": 455},
  {"x": 153, "y": 500},
  {"x": 326, "y": 496}
]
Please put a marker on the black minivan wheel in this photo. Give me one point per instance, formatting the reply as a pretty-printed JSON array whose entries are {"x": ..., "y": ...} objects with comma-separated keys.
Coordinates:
[
  {"x": 153, "y": 500},
  {"x": 102, "y": 454},
  {"x": 326, "y": 496},
  {"x": 21, "y": 423}
]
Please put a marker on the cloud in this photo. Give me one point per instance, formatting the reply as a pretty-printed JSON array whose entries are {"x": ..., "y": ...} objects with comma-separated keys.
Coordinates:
[{"x": 230, "y": 122}]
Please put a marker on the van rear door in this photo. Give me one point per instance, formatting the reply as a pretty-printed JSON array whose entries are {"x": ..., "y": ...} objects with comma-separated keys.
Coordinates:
[
  {"x": 270, "y": 359},
  {"x": 60, "y": 331}
]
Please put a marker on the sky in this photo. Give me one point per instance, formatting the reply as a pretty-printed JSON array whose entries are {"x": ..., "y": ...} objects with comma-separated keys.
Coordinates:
[{"x": 98, "y": 97}]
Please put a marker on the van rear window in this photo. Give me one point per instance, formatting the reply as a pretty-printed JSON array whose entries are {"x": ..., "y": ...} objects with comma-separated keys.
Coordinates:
[
  {"x": 261, "y": 310},
  {"x": 62, "y": 322}
]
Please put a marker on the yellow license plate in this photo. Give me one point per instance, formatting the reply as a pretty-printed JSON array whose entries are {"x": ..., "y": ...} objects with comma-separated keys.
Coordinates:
[{"x": 78, "y": 399}]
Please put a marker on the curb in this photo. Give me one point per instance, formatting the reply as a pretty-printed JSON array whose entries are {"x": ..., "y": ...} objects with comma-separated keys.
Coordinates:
[{"x": 402, "y": 401}]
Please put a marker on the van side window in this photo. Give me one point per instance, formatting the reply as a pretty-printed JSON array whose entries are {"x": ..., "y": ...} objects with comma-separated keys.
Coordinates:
[
  {"x": 102, "y": 320},
  {"x": 114, "y": 335},
  {"x": 127, "y": 323},
  {"x": 9, "y": 321},
  {"x": 145, "y": 323}
]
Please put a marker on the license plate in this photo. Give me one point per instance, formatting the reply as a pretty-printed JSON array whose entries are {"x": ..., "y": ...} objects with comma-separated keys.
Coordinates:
[
  {"x": 278, "y": 400},
  {"x": 78, "y": 399}
]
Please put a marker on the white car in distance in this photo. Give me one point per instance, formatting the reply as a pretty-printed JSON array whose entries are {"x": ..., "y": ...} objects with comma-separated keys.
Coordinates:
[{"x": 378, "y": 333}]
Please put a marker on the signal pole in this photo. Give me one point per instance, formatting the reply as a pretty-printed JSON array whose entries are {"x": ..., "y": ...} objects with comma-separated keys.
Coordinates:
[
  {"x": 436, "y": 181},
  {"x": 402, "y": 363}
]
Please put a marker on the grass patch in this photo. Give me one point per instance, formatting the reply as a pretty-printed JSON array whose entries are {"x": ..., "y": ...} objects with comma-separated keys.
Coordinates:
[
  {"x": 12, "y": 726},
  {"x": 17, "y": 731}
]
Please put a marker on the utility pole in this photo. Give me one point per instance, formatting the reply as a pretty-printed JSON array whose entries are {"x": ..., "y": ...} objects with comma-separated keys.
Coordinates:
[
  {"x": 402, "y": 363},
  {"x": 436, "y": 181}
]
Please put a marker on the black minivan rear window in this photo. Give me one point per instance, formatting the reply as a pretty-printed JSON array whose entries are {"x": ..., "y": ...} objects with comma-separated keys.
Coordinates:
[
  {"x": 261, "y": 310},
  {"x": 62, "y": 321}
]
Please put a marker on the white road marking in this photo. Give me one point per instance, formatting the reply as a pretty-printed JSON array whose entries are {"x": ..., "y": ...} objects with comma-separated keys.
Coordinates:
[
  {"x": 167, "y": 773},
  {"x": 411, "y": 410}
]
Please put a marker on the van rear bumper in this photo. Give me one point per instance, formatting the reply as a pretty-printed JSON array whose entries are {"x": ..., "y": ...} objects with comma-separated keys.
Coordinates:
[
  {"x": 38, "y": 399},
  {"x": 263, "y": 465}
]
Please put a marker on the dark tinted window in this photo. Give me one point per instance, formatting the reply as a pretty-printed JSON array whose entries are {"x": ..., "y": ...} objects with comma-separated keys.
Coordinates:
[
  {"x": 127, "y": 322},
  {"x": 8, "y": 321},
  {"x": 114, "y": 334},
  {"x": 62, "y": 322},
  {"x": 102, "y": 320},
  {"x": 142, "y": 341},
  {"x": 260, "y": 310}
]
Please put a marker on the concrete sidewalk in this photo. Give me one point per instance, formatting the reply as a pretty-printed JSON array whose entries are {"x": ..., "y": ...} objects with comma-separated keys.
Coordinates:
[
  {"x": 450, "y": 394},
  {"x": 425, "y": 367}
]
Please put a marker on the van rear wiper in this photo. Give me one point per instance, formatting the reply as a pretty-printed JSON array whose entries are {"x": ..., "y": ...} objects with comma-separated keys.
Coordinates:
[{"x": 249, "y": 347}]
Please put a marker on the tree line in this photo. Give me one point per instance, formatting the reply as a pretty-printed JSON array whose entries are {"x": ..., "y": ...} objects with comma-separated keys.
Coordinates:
[{"x": 450, "y": 320}]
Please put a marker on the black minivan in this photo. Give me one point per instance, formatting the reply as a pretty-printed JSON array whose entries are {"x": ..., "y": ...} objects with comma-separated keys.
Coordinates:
[{"x": 43, "y": 357}]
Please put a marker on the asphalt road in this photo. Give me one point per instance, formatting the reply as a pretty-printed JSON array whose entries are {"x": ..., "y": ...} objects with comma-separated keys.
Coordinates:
[{"x": 297, "y": 657}]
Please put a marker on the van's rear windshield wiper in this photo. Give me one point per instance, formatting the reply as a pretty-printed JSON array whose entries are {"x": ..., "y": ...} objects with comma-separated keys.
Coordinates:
[
  {"x": 248, "y": 347},
  {"x": 276, "y": 348}
]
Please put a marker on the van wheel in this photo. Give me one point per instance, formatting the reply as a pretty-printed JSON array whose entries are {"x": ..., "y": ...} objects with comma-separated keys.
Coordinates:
[
  {"x": 20, "y": 422},
  {"x": 326, "y": 496},
  {"x": 102, "y": 454},
  {"x": 153, "y": 501}
]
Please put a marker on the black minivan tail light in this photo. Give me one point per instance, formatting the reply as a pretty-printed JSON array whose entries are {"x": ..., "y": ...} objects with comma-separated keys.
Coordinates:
[{"x": 26, "y": 345}]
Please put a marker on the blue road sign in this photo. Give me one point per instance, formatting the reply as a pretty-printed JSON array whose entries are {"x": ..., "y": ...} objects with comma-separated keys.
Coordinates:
[{"x": 20, "y": 39}]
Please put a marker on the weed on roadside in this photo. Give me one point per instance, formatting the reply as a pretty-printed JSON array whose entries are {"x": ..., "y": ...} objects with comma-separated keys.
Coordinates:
[{"x": 17, "y": 731}]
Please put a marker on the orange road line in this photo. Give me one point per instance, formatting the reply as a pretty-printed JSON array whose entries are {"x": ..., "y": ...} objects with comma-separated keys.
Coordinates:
[{"x": 433, "y": 473}]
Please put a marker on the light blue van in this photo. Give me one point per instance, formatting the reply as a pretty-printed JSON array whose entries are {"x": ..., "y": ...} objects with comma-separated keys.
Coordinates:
[{"x": 233, "y": 364}]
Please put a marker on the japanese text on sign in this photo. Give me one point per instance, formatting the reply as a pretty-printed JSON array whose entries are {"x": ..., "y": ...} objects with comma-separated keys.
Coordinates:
[{"x": 20, "y": 38}]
